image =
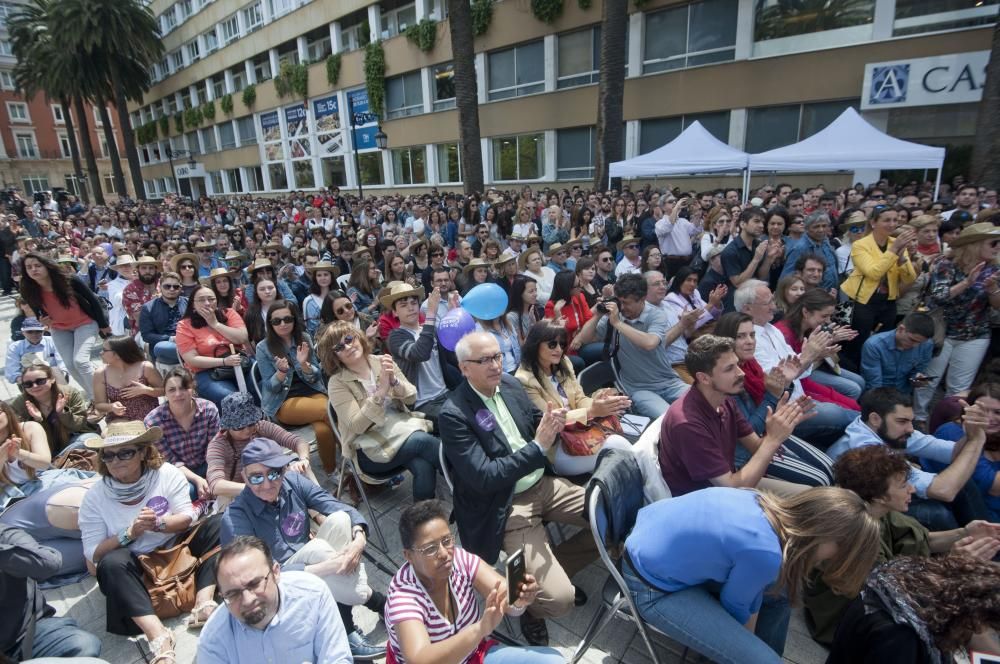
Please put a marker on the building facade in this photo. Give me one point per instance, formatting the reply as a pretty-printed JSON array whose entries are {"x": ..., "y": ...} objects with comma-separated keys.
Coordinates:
[{"x": 755, "y": 73}]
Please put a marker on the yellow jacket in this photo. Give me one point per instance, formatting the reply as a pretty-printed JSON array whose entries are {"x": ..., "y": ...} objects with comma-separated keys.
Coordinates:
[{"x": 870, "y": 265}]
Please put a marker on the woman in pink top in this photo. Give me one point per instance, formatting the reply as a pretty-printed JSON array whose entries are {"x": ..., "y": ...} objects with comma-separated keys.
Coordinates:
[
  {"x": 69, "y": 309},
  {"x": 431, "y": 612}
]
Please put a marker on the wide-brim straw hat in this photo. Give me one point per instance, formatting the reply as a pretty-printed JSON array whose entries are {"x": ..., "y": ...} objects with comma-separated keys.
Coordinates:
[
  {"x": 175, "y": 262},
  {"x": 261, "y": 264},
  {"x": 147, "y": 260},
  {"x": 522, "y": 260},
  {"x": 324, "y": 265},
  {"x": 976, "y": 233},
  {"x": 216, "y": 273},
  {"x": 205, "y": 245},
  {"x": 125, "y": 433},
  {"x": 128, "y": 259},
  {"x": 398, "y": 291},
  {"x": 474, "y": 263},
  {"x": 503, "y": 259},
  {"x": 627, "y": 240}
]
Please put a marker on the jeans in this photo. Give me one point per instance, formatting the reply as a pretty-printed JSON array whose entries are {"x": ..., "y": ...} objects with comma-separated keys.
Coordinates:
[
  {"x": 60, "y": 637},
  {"x": 215, "y": 390},
  {"x": 419, "y": 455},
  {"x": 695, "y": 617},
  {"x": 961, "y": 359},
  {"x": 591, "y": 353},
  {"x": 932, "y": 514},
  {"x": 827, "y": 425},
  {"x": 652, "y": 404},
  {"x": 166, "y": 352},
  {"x": 847, "y": 382},
  {"x": 75, "y": 348},
  {"x": 501, "y": 654}
]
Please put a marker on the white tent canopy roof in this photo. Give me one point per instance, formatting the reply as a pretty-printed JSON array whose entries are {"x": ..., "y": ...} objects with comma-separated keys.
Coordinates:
[
  {"x": 695, "y": 150},
  {"x": 848, "y": 143}
]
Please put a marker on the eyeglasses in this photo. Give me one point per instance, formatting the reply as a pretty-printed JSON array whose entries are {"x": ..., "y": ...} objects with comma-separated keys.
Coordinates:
[
  {"x": 631, "y": 246},
  {"x": 344, "y": 309},
  {"x": 34, "y": 383},
  {"x": 187, "y": 266},
  {"x": 555, "y": 343},
  {"x": 857, "y": 229},
  {"x": 494, "y": 359},
  {"x": 121, "y": 455},
  {"x": 430, "y": 550},
  {"x": 170, "y": 286},
  {"x": 606, "y": 259},
  {"x": 256, "y": 586},
  {"x": 282, "y": 320},
  {"x": 270, "y": 254},
  {"x": 347, "y": 341},
  {"x": 272, "y": 476}
]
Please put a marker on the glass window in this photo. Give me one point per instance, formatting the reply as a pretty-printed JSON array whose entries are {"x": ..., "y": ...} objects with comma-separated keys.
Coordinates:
[
  {"x": 211, "y": 41},
  {"x": 916, "y": 16},
  {"x": 26, "y": 145},
  {"x": 18, "y": 111},
  {"x": 279, "y": 178},
  {"x": 64, "y": 145},
  {"x": 239, "y": 79},
  {"x": 396, "y": 21},
  {"x": 35, "y": 183},
  {"x": 579, "y": 57},
  {"x": 208, "y": 140},
  {"x": 227, "y": 136},
  {"x": 408, "y": 166},
  {"x": 657, "y": 132},
  {"x": 519, "y": 157},
  {"x": 449, "y": 162},
  {"x": 176, "y": 60},
  {"x": 772, "y": 127},
  {"x": 218, "y": 186},
  {"x": 319, "y": 50},
  {"x": 262, "y": 68},
  {"x": 256, "y": 176},
  {"x": 304, "y": 177},
  {"x": 192, "y": 141},
  {"x": 404, "y": 95},
  {"x": 817, "y": 116},
  {"x": 575, "y": 153},
  {"x": 334, "y": 171},
  {"x": 57, "y": 114},
  {"x": 194, "y": 51},
  {"x": 279, "y": 7},
  {"x": 235, "y": 180},
  {"x": 774, "y": 19},
  {"x": 6, "y": 80},
  {"x": 517, "y": 71},
  {"x": 690, "y": 35},
  {"x": 218, "y": 85},
  {"x": 444, "y": 86},
  {"x": 109, "y": 183},
  {"x": 230, "y": 29},
  {"x": 370, "y": 164},
  {"x": 253, "y": 18},
  {"x": 247, "y": 130}
]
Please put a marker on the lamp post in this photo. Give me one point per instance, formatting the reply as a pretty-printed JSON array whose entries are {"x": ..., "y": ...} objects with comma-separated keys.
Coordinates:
[
  {"x": 171, "y": 153},
  {"x": 81, "y": 179},
  {"x": 381, "y": 140}
]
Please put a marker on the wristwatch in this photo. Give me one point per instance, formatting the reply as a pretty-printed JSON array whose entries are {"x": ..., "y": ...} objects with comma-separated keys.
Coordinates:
[{"x": 123, "y": 538}]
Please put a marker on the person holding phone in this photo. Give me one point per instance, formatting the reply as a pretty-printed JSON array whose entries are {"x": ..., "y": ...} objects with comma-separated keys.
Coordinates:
[{"x": 432, "y": 614}]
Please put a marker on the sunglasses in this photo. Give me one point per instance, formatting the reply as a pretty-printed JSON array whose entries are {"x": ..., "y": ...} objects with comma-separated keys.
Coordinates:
[
  {"x": 121, "y": 455},
  {"x": 282, "y": 320},
  {"x": 555, "y": 343},
  {"x": 34, "y": 383},
  {"x": 271, "y": 254},
  {"x": 170, "y": 286},
  {"x": 342, "y": 310},
  {"x": 347, "y": 341},
  {"x": 187, "y": 267},
  {"x": 272, "y": 475}
]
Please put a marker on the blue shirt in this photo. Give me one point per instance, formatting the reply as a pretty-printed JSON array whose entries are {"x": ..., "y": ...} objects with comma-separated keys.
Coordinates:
[
  {"x": 983, "y": 476},
  {"x": 805, "y": 245},
  {"x": 307, "y": 628},
  {"x": 714, "y": 535},
  {"x": 884, "y": 365},
  {"x": 46, "y": 350},
  {"x": 920, "y": 445},
  {"x": 283, "y": 525}
]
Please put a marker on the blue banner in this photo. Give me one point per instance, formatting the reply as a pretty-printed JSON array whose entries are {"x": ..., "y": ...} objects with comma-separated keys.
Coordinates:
[
  {"x": 326, "y": 106},
  {"x": 364, "y": 137},
  {"x": 295, "y": 113},
  {"x": 270, "y": 126},
  {"x": 357, "y": 101}
]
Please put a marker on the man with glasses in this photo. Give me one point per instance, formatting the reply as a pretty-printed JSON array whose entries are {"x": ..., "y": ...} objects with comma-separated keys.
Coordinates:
[
  {"x": 272, "y": 616},
  {"x": 33, "y": 345},
  {"x": 159, "y": 318},
  {"x": 631, "y": 262},
  {"x": 207, "y": 260},
  {"x": 436, "y": 256},
  {"x": 605, "y": 265},
  {"x": 496, "y": 445},
  {"x": 275, "y": 507}
]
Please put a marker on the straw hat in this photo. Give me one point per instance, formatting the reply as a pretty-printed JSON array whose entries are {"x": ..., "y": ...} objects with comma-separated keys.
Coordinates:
[
  {"x": 556, "y": 247},
  {"x": 361, "y": 251},
  {"x": 324, "y": 265},
  {"x": 216, "y": 273},
  {"x": 175, "y": 262},
  {"x": 627, "y": 240},
  {"x": 233, "y": 255},
  {"x": 397, "y": 291},
  {"x": 147, "y": 260},
  {"x": 125, "y": 433},
  {"x": 204, "y": 245},
  {"x": 127, "y": 259},
  {"x": 503, "y": 259},
  {"x": 522, "y": 260},
  {"x": 474, "y": 263},
  {"x": 68, "y": 260},
  {"x": 261, "y": 264},
  {"x": 976, "y": 233}
]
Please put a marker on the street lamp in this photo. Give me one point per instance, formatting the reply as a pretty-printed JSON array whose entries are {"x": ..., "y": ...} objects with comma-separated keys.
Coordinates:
[
  {"x": 82, "y": 178},
  {"x": 381, "y": 140},
  {"x": 171, "y": 153}
]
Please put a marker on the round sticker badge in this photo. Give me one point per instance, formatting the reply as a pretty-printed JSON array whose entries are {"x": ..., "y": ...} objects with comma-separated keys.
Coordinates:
[
  {"x": 159, "y": 505},
  {"x": 486, "y": 420},
  {"x": 293, "y": 524}
]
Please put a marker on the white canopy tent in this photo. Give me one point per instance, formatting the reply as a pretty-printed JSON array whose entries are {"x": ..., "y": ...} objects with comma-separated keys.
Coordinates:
[
  {"x": 850, "y": 142},
  {"x": 695, "y": 150}
]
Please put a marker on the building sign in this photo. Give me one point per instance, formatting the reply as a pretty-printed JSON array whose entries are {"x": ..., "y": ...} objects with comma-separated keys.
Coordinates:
[
  {"x": 327, "y": 114},
  {"x": 186, "y": 171},
  {"x": 297, "y": 128},
  {"x": 270, "y": 126},
  {"x": 957, "y": 78},
  {"x": 364, "y": 135}
]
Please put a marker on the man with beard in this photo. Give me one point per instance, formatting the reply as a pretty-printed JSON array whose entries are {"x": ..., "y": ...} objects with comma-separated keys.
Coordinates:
[
  {"x": 142, "y": 290},
  {"x": 159, "y": 317},
  {"x": 944, "y": 499},
  {"x": 698, "y": 437},
  {"x": 273, "y": 616}
]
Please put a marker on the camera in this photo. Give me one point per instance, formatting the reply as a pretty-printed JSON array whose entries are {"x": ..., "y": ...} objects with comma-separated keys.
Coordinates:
[
  {"x": 826, "y": 327},
  {"x": 602, "y": 305}
]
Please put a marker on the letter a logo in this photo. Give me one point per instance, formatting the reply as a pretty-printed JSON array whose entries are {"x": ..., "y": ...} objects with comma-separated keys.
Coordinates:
[{"x": 889, "y": 84}]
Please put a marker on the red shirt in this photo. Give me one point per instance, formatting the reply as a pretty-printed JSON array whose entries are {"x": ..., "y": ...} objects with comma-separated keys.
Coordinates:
[
  {"x": 576, "y": 312},
  {"x": 698, "y": 442},
  {"x": 64, "y": 318}
]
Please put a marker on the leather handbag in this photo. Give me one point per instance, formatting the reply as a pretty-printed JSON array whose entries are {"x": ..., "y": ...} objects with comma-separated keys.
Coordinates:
[
  {"x": 78, "y": 459},
  {"x": 169, "y": 576},
  {"x": 587, "y": 439},
  {"x": 229, "y": 373}
]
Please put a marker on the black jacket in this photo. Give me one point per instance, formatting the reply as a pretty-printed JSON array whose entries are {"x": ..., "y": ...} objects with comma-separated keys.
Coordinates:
[
  {"x": 92, "y": 276},
  {"x": 23, "y": 561},
  {"x": 484, "y": 468}
]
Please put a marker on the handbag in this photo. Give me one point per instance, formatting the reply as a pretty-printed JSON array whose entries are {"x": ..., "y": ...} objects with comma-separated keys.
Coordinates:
[
  {"x": 229, "y": 373},
  {"x": 844, "y": 311},
  {"x": 169, "y": 576},
  {"x": 78, "y": 459},
  {"x": 587, "y": 439}
]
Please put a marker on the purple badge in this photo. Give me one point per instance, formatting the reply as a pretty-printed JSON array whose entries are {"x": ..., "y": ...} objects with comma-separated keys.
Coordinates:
[
  {"x": 159, "y": 505},
  {"x": 293, "y": 524},
  {"x": 485, "y": 420}
]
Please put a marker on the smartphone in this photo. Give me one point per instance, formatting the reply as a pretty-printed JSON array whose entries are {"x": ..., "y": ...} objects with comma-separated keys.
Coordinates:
[{"x": 515, "y": 575}]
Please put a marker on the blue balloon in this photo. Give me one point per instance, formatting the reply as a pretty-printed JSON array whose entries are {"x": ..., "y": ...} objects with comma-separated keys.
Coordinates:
[
  {"x": 485, "y": 301},
  {"x": 453, "y": 326}
]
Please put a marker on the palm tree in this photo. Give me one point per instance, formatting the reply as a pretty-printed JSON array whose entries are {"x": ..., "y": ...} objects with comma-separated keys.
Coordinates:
[
  {"x": 985, "y": 169},
  {"x": 466, "y": 94},
  {"x": 610, "y": 90}
]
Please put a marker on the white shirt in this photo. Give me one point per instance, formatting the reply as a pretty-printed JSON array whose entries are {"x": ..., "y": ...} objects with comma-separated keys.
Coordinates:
[
  {"x": 771, "y": 349},
  {"x": 116, "y": 317},
  {"x": 545, "y": 283},
  {"x": 625, "y": 266},
  {"x": 675, "y": 237}
]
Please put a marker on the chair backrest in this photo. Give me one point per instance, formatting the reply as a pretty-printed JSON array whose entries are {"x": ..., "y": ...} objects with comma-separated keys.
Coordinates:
[
  {"x": 343, "y": 280},
  {"x": 618, "y": 480},
  {"x": 256, "y": 378},
  {"x": 596, "y": 376},
  {"x": 331, "y": 415}
]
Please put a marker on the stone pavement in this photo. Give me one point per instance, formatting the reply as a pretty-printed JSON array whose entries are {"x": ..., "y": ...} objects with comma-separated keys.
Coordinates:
[{"x": 619, "y": 642}]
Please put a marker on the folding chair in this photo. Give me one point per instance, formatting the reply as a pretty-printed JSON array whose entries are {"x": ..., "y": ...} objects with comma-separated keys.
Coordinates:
[
  {"x": 597, "y": 376},
  {"x": 343, "y": 280},
  {"x": 256, "y": 379}
]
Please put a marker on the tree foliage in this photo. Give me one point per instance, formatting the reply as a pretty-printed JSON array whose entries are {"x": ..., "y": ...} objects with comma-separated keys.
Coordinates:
[
  {"x": 333, "y": 69},
  {"x": 249, "y": 95},
  {"x": 482, "y": 15},
  {"x": 226, "y": 103},
  {"x": 547, "y": 10}
]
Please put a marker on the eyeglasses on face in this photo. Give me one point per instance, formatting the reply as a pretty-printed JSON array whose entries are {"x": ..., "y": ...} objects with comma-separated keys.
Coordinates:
[
  {"x": 254, "y": 587},
  {"x": 430, "y": 550},
  {"x": 344, "y": 309},
  {"x": 187, "y": 266},
  {"x": 272, "y": 475},
  {"x": 555, "y": 343},
  {"x": 347, "y": 341},
  {"x": 205, "y": 251},
  {"x": 121, "y": 455},
  {"x": 282, "y": 320},
  {"x": 270, "y": 254},
  {"x": 489, "y": 359},
  {"x": 27, "y": 384},
  {"x": 170, "y": 286}
]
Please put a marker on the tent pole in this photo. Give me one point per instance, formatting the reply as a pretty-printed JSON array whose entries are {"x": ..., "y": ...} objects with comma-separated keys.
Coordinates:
[
  {"x": 937, "y": 183},
  {"x": 746, "y": 185}
]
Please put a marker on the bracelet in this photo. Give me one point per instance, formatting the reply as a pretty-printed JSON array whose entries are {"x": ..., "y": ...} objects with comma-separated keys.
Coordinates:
[{"x": 123, "y": 538}]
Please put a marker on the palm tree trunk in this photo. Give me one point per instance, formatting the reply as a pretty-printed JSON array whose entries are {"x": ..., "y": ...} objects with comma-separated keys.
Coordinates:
[
  {"x": 985, "y": 169},
  {"x": 116, "y": 162},
  {"x": 88, "y": 150},
  {"x": 131, "y": 153},
  {"x": 611, "y": 90},
  {"x": 466, "y": 95},
  {"x": 74, "y": 149}
]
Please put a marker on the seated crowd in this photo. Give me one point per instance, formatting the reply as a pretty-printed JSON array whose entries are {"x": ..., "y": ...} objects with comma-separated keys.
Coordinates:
[{"x": 787, "y": 355}]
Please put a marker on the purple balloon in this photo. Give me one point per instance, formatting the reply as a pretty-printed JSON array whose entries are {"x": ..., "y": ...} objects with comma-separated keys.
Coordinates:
[{"x": 453, "y": 326}]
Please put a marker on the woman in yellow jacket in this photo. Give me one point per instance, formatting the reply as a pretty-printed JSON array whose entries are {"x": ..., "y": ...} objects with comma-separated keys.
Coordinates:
[{"x": 881, "y": 267}]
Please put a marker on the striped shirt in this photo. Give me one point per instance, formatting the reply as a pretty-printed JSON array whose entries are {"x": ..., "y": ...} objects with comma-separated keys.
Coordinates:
[
  {"x": 408, "y": 600},
  {"x": 185, "y": 447},
  {"x": 224, "y": 458}
]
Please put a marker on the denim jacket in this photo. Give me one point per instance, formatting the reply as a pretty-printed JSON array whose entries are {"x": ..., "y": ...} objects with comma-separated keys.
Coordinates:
[{"x": 273, "y": 391}]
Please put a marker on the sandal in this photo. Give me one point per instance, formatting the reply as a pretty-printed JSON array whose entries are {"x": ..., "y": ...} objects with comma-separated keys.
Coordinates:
[
  {"x": 200, "y": 614},
  {"x": 162, "y": 649}
]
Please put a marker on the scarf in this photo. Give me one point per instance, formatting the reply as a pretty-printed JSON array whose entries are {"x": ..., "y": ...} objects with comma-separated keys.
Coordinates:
[
  {"x": 882, "y": 588},
  {"x": 129, "y": 493},
  {"x": 753, "y": 379}
]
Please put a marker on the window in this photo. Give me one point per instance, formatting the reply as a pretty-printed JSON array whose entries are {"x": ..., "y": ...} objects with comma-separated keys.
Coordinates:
[
  {"x": 109, "y": 183},
  {"x": 372, "y": 172},
  {"x": 334, "y": 171},
  {"x": 185, "y": 8},
  {"x": 57, "y": 114},
  {"x": 657, "y": 132},
  {"x": 444, "y": 86},
  {"x": 695, "y": 34},
  {"x": 227, "y": 136},
  {"x": 5, "y": 47},
  {"x": 235, "y": 180},
  {"x": 579, "y": 57},
  {"x": 304, "y": 176},
  {"x": 280, "y": 7},
  {"x": 396, "y": 21},
  {"x": 239, "y": 79},
  {"x": 279, "y": 178},
  {"x": 193, "y": 50},
  {"x": 773, "y": 20},
  {"x": 449, "y": 162},
  {"x": 262, "y": 68},
  {"x": 517, "y": 71},
  {"x": 208, "y": 140},
  {"x": 6, "y": 9},
  {"x": 915, "y": 16},
  {"x": 255, "y": 177},
  {"x": 211, "y": 41},
  {"x": 575, "y": 153},
  {"x": 253, "y": 19},
  {"x": 26, "y": 148},
  {"x": 230, "y": 29},
  {"x": 35, "y": 183},
  {"x": 774, "y": 126},
  {"x": 176, "y": 60},
  {"x": 404, "y": 95},
  {"x": 408, "y": 166},
  {"x": 247, "y": 130},
  {"x": 7, "y": 80},
  {"x": 519, "y": 157},
  {"x": 64, "y": 148},
  {"x": 319, "y": 50},
  {"x": 169, "y": 20},
  {"x": 218, "y": 86},
  {"x": 18, "y": 111},
  {"x": 105, "y": 151},
  {"x": 217, "y": 183}
]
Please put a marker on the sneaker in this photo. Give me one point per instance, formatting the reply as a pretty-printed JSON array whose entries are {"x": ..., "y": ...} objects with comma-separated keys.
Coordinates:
[{"x": 363, "y": 650}]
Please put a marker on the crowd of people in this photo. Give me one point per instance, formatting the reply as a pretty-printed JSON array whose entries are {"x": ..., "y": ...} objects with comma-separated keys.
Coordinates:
[{"x": 816, "y": 369}]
